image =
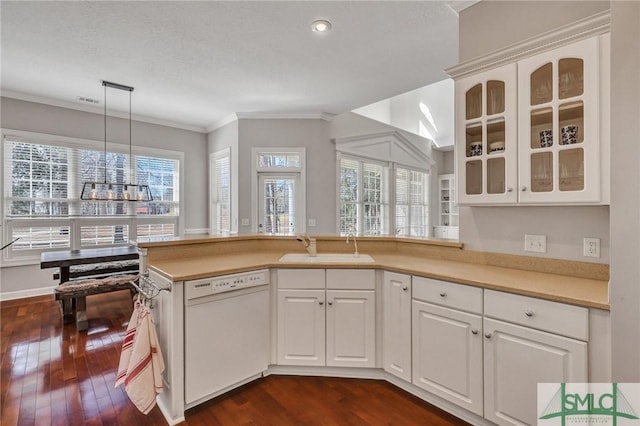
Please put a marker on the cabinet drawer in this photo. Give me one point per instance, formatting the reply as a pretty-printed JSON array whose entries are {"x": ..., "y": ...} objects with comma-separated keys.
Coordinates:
[
  {"x": 351, "y": 279},
  {"x": 554, "y": 317},
  {"x": 301, "y": 278},
  {"x": 457, "y": 296}
]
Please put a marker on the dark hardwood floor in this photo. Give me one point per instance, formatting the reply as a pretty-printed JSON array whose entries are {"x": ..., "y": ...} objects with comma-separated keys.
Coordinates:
[{"x": 51, "y": 374}]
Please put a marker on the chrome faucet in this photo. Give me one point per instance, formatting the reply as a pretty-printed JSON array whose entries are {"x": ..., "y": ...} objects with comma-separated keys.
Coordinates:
[
  {"x": 355, "y": 243},
  {"x": 309, "y": 244}
]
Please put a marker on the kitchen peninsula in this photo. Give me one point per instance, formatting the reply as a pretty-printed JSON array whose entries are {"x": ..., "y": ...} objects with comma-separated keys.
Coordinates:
[{"x": 411, "y": 284}]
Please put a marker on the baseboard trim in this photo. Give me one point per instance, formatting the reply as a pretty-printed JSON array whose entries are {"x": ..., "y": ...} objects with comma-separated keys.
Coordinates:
[
  {"x": 196, "y": 231},
  {"x": 23, "y": 294}
]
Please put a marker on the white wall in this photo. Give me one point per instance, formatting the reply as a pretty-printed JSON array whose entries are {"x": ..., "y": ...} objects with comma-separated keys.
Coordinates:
[
  {"x": 311, "y": 134},
  {"x": 408, "y": 112},
  {"x": 380, "y": 111},
  {"x": 625, "y": 197},
  {"x": 487, "y": 26},
  {"x": 492, "y": 25},
  {"x": 40, "y": 118},
  {"x": 315, "y": 136},
  {"x": 448, "y": 159}
]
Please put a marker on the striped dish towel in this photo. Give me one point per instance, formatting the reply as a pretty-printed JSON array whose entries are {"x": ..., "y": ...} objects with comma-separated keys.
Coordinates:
[
  {"x": 143, "y": 379},
  {"x": 127, "y": 344}
]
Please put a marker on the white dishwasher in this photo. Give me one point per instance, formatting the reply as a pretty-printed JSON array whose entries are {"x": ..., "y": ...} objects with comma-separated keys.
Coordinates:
[{"x": 226, "y": 333}]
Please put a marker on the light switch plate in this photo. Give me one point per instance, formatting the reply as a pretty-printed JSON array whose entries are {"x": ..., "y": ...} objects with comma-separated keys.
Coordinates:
[
  {"x": 245, "y": 221},
  {"x": 535, "y": 243},
  {"x": 591, "y": 247},
  {"x": 312, "y": 222}
]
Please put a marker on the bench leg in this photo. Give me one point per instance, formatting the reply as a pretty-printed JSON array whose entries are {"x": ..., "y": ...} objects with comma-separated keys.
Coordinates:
[
  {"x": 81, "y": 313},
  {"x": 67, "y": 310}
]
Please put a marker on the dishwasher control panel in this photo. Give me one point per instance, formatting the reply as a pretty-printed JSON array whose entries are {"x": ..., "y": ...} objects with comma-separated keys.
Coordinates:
[{"x": 224, "y": 283}]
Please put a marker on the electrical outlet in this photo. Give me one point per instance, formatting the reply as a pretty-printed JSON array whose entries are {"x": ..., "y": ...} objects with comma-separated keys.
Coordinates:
[
  {"x": 591, "y": 247},
  {"x": 245, "y": 221},
  {"x": 535, "y": 243},
  {"x": 312, "y": 222}
]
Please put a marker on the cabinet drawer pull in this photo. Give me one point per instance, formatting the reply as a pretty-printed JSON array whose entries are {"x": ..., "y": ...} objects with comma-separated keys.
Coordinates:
[
  {"x": 523, "y": 189},
  {"x": 487, "y": 335},
  {"x": 528, "y": 313},
  {"x": 443, "y": 294},
  {"x": 330, "y": 303},
  {"x": 405, "y": 288},
  {"x": 474, "y": 331},
  {"x": 509, "y": 189},
  {"x": 321, "y": 303}
]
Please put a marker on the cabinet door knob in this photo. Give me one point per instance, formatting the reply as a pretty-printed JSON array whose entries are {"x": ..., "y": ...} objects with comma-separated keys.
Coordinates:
[
  {"x": 509, "y": 189},
  {"x": 528, "y": 313},
  {"x": 474, "y": 331},
  {"x": 321, "y": 303},
  {"x": 330, "y": 303},
  {"x": 523, "y": 189},
  {"x": 487, "y": 335},
  {"x": 405, "y": 288},
  {"x": 443, "y": 294}
]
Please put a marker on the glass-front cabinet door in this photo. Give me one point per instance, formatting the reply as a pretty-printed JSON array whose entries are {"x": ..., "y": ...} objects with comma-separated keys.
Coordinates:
[
  {"x": 486, "y": 157},
  {"x": 558, "y": 125}
]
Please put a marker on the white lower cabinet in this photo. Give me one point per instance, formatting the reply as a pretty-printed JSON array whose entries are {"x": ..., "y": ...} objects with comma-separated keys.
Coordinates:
[
  {"x": 447, "y": 342},
  {"x": 333, "y": 327},
  {"x": 482, "y": 350},
  {"x": 351, "y": 332},
  {"x": 517, "y": 358},
  {"x": 301, "y": 327},
  {"x": 396, "y": 325}
]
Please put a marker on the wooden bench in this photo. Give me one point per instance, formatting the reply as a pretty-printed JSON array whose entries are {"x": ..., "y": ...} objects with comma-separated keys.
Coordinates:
[{"x": 94, "y": 278}]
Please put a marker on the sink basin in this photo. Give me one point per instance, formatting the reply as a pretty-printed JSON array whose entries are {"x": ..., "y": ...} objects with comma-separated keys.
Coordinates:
[{"x": 326, "y": 258}]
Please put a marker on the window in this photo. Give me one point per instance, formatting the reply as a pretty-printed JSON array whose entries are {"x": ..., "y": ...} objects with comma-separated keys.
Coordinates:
[
  {"x": 43, "y": 178},
  {"x": 384, "y": 184},
  {"x": 220, "y": 164},
  {"x": 279, "y": 195},
  {"x": 278, "y": 204},
  {"x": 412, "y": 205},
  {"x": 365, "y": 202},
  {"x": 363, "y": 197}
]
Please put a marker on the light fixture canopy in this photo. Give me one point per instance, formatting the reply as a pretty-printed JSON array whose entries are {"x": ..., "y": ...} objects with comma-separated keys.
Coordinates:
[
  {"x": 109, "y": 191},
  {"x": 321, "y": 26}
]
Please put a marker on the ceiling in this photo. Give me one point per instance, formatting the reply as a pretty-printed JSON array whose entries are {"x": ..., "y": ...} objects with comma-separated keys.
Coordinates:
[{"x": 193, "y": 64}]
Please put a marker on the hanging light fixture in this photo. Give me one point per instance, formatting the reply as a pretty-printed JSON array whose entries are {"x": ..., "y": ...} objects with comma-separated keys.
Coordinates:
[{"x": 109, "y": 191}]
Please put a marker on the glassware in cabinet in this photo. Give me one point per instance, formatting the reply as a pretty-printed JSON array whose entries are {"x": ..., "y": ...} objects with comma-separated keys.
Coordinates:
[
  {"x": 486, "y": 153},
  {"x": 559, "y": 116}
]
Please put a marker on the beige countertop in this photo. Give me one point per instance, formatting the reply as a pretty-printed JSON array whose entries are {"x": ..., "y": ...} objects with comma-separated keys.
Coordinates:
[{"x": 561, "y": 288}]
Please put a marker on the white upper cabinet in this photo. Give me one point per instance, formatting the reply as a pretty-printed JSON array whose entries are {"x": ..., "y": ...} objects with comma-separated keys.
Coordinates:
[
  {"x": 486, "y": 131},
  {"x": 559, "y": 125},
  {"x": 535, "y": 131}
]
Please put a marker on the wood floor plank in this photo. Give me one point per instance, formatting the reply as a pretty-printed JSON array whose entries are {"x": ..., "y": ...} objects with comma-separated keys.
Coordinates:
[{"x": 51, "y": 374}]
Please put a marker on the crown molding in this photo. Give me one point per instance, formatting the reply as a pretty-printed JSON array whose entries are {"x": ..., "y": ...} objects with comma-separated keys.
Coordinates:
[
  {"x": 284, "y": 116},
  {"x": 460, "y": 5},
  {"x": 269, "y": 116},
  {"x": 97, "y": 110},
  {"x": 228, "y": 119},
  {"x": 594, "y": 25}
]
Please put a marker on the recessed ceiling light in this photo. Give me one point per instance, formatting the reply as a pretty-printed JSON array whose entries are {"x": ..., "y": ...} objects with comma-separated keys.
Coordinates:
[{"x": 321, "y": 26}]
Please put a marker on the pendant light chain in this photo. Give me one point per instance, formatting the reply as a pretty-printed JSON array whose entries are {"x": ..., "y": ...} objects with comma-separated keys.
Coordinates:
[
  {"x": 131, "y": 179},
  {"x": 114, "y": 191},
  {"x": 105, "y": 133}
]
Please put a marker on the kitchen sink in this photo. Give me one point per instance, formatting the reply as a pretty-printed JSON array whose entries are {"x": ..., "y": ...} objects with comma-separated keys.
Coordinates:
[{"x": 326, "y": 258}]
